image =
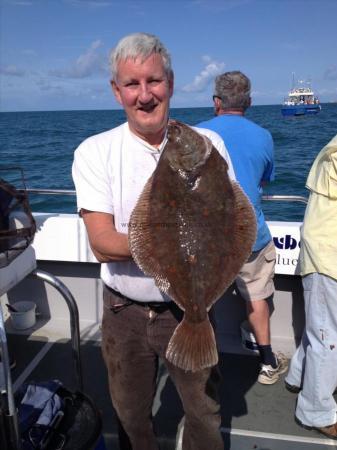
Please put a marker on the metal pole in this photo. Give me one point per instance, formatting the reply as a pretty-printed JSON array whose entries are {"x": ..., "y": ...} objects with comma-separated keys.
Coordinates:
[
  {"x": 50, "y": 191},
  {"x": 74, "y": 319},
  {"x": 11, "y": 414},
  {"x": 286, "y": 198},
  {"x": 72, "y": 192}
]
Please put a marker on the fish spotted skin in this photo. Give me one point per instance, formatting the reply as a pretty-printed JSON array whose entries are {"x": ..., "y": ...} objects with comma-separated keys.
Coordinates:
[{"x": 191, "y": 230}]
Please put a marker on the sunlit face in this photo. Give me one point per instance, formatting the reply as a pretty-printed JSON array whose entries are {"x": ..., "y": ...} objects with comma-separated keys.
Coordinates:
[{"x": 144, "y": 90}]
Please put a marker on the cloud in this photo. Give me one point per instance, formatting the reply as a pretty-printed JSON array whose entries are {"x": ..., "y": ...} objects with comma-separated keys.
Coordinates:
[
  {"x": 89, "y": 63},
  {"x": 20, "y": 2},
  {"x": 291, "y": 46},
  {"x": 327, "y": 91},
  {"x": 44, "y": 84},
  {"x": 91, "y": 3},
  {"x": 12, "y": 70},
  {"x": 217, "y": 6},
  {"x": 331, "y": 73},
  {"x": 206, "y": 76},
  {"x": 29, "y": 52}
]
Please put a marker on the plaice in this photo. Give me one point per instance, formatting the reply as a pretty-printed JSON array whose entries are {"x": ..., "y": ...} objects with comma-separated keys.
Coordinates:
[{"x": 191, "y": 230}]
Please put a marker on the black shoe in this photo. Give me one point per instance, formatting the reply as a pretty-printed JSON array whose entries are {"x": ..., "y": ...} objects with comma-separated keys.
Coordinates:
[
  {"x": 329, "y": 431},
  {"x": 296, "y": 389},
  {"x": 12, "y": 362},
  {"x": 292, "y": 388}
]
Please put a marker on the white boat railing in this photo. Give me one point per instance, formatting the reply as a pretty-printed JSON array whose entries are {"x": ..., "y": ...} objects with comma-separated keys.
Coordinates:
[
  {"x": 50, "y": 191},
  {"x": 285, "y": 198},
  {"x": 282, "y": 198}
]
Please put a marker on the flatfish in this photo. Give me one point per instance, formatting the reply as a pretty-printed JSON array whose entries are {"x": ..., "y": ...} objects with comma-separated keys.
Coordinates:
[{"x": 191, "y": 230}]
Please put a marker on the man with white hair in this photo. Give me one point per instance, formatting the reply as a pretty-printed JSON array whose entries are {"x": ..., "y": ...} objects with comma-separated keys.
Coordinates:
[{"x": 110, "y": 171}]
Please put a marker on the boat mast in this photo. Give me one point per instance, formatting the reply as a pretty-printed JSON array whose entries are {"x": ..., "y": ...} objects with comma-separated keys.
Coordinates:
[{"x": 293, "y": 81}]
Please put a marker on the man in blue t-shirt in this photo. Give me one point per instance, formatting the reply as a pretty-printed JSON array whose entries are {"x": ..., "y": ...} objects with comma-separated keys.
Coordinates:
[{"x": 251, "y": 150}]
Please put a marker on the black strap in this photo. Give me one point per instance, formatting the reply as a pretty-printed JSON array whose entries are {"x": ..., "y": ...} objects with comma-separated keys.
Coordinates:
[{"x": 156, "y": 306}]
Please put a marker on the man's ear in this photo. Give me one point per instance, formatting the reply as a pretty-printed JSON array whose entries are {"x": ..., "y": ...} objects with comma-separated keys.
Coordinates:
[
  {"x": 171, "y": 83},
  {"x": 217, "y": 105},
  {"x": 116, "y": 91}
]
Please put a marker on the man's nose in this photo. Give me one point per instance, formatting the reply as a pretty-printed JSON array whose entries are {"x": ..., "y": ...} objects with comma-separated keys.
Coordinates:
[{"x": 145, "y": 94}]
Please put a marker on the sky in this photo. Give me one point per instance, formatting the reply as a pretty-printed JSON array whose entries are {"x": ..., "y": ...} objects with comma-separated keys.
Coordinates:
[{"x": 54, "y": 54}]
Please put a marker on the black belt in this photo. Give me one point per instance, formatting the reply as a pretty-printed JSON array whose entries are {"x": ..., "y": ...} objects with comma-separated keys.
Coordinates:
[{"x": 158, "y": 307}]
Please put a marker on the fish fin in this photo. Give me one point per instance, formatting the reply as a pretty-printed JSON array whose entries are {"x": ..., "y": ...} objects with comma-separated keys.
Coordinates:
[
  {"x": 140, "y": 242},
  {"x": 244, "y": 230},
  {"x": 246, "y": 218},
  {"x": 192, "y": 346}
]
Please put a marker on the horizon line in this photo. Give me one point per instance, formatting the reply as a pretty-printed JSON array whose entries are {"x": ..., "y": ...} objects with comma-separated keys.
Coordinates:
[{"x": 119, "y": 109}]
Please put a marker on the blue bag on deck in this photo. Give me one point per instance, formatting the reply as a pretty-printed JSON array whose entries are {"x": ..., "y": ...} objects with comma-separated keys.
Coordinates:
[
  {"x": 39, "y": 406},
  {"x": 53, "y": 418}
]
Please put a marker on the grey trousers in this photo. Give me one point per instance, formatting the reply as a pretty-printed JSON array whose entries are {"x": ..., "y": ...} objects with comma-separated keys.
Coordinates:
[{"x": 133, "y": 338}]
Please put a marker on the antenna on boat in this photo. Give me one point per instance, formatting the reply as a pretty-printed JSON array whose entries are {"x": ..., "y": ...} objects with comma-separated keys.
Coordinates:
[{"x": 293, "y": 80}]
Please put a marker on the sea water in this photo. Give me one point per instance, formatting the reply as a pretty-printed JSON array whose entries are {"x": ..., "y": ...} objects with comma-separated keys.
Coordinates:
[{"x": 43, "y": 144}]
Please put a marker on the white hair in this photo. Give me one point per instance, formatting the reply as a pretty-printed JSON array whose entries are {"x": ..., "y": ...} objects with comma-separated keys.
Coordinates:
[{"x": 139, "y": 45}]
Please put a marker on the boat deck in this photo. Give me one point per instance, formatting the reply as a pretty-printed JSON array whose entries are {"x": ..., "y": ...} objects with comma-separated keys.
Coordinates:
[{"x": 254, "y": 417}]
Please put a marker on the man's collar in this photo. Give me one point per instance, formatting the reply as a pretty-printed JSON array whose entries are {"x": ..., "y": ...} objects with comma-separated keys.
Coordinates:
[
  {"x": 152, "y": 148},
  {"x": 231, "y": 111}
]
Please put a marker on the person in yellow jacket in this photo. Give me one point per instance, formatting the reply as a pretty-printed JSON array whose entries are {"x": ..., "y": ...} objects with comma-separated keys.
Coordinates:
[{"x": 313, "y": 368}]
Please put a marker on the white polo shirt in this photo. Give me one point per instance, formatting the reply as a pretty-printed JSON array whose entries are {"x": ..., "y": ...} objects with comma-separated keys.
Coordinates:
[{"x": 110, "y": 171}]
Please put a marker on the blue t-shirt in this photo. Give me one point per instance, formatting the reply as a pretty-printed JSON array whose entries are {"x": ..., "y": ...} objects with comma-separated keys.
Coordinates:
[{"x": 251, "y": 150}]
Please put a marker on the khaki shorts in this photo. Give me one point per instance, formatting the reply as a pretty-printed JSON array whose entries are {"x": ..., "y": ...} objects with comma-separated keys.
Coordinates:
[{"x": 255, "y": 279}]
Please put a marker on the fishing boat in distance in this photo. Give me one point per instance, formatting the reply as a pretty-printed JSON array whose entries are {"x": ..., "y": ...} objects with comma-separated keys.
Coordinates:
[{"x": 301, "y": 100}]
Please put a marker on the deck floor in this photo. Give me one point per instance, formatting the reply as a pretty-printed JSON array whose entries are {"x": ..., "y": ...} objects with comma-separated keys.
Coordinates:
[{"x": 254, "y": 417}]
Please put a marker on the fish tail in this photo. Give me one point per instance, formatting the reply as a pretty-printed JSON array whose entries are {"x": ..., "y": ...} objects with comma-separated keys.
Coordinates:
[{"x": 192, "y": 346}]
